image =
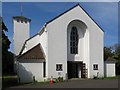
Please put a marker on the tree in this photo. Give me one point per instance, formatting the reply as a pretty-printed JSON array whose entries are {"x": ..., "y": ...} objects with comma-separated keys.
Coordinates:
[
  {"x": 114, "y": 52},
  {"x": 116, "y": 56},
  {"x": 7, "y": 56},
  {"x": 107, "y": 52}
]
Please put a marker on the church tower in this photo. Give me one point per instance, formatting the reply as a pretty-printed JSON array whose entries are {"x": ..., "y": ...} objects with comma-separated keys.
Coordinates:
[{"x": 21, "y": 32}]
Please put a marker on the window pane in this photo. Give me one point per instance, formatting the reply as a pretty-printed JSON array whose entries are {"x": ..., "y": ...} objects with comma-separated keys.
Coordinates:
[
  {"x": 95, "y": 67},
  {"x": 58, "y": 67},
  {"x": 74, "y": 41}
]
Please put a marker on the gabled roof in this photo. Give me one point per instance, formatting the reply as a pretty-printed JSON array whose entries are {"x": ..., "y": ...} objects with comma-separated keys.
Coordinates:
[
  {"x": 71, "y": 9},
  {"x": 111, "y": 60},
  {"x": 34, "y": 53},
  {"x": 25, "y": 43},
  {"x": 41, "y": 31}
]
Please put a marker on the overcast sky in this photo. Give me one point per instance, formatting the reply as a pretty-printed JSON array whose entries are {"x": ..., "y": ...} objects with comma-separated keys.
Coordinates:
[{"x": 105, "y": 14}]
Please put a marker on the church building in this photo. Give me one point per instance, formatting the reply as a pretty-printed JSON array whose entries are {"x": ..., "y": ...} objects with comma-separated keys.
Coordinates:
[{"x": 68, "y": 46}]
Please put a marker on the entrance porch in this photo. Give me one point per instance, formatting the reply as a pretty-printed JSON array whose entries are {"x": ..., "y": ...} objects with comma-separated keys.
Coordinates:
[{"x": 76, "y": 69}]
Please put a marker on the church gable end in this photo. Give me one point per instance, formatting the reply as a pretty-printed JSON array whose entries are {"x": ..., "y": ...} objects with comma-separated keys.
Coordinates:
[{"x": 70, "y": 10}]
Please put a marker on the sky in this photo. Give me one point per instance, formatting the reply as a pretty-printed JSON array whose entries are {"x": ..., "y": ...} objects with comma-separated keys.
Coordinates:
[
  {"x": 104, "y": 13},
  {"x": 61, "y": 0}
]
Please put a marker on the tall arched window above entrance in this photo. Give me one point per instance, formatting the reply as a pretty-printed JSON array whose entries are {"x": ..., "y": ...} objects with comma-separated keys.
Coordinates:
[{"x": 74, "y": 41}]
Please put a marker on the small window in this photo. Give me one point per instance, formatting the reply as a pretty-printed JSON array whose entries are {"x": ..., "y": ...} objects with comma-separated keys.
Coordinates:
[
  {"x": 58, "y": 67},
  {"x": 25, "y": 21},
  {"x": 21, "y": 21},
  {"x": 17, "y": 20},
  {"x": 95, "y": 67}
]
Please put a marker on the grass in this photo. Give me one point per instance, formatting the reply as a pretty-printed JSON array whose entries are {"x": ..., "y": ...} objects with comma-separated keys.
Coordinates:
[
  {"x": 108, "y": 78},
  {"x": 116, "y": 77},
  {"x": 8, "y": 81},
  {"x": 8, "y": 77}
]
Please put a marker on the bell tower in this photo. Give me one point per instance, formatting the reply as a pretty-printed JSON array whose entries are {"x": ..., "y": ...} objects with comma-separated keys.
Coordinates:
[{"x": 21, "y": 26}]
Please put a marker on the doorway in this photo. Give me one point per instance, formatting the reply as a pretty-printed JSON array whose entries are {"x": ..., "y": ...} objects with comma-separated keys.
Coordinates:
[{"x": 72, "y": 68}]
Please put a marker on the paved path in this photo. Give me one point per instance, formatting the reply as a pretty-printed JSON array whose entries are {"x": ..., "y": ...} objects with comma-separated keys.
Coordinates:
[{"x": 75, "y": 84}]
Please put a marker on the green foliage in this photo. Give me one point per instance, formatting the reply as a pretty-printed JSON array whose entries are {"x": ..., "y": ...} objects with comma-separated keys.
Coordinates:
[
  {"x": 114, "y": 52},
  {"x": 107, "y": 52},
  {"x": 8, "y": 81},
  {"x": 60, "y": 79},
  {"x": 95, "y": 77},
  {"x": 7, "y": 56}
]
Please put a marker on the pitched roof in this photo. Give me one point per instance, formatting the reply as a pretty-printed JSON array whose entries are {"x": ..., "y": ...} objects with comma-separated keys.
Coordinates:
[
  {"x": 34, "y": 53},
  {"x": 71, "y": 9},
  {"x": 25, "y": 43},
  {"x": 56, "y": 18},
  {"x": 110, "y": 59}
]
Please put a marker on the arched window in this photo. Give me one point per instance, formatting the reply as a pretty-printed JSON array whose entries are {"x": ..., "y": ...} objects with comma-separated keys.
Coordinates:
[{"x": 74, "y": 41}]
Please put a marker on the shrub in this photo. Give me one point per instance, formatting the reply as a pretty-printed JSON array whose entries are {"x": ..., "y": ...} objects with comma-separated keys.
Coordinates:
[
  {"x": 95, "y": 77},
  {"x": 60, "y": 79}
]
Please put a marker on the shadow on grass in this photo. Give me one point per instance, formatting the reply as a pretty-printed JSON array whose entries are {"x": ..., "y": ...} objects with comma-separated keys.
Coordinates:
[
  {"x": 10, "y": 81},
  {"x": 7, "y": 82}
]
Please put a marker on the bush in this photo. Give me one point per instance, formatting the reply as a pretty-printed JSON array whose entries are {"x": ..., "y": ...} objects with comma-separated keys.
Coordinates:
[
  {"x": 60, "y": 79},
  {"x": 95, "y": 77}
]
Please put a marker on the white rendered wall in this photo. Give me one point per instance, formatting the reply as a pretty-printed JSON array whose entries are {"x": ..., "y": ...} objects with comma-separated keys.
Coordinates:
[
  {"x": 57, "y": 42},
  {"x": 21, "y": 33},
  {"x": 26, "y": 71},
  {"x": 96, "y": 50},
  {"x": 110, "y": 69},
  {"x": 44, "y": 43}
]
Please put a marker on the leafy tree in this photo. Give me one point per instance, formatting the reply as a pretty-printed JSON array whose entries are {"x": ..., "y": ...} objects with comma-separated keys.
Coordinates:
[
  {"x": 114, "y": 52},
  {"x": 7, "y": 56},
  {"x": 107, "y": 52},
  {"x": 116, "y": 56}
]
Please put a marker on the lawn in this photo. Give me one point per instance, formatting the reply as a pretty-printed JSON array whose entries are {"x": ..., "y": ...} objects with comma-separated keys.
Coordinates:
[
  {"x": 108, "y": 78},
  {"x": 8, "y": 81},
  {"x": 11, "y": 81}
]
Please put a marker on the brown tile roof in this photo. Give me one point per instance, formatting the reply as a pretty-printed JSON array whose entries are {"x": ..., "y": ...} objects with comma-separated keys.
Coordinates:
[{"x": 34, "y": 53}]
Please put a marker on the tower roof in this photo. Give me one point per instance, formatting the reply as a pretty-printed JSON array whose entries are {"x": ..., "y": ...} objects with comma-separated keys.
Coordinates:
[{"x": 22, "y": 18}]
